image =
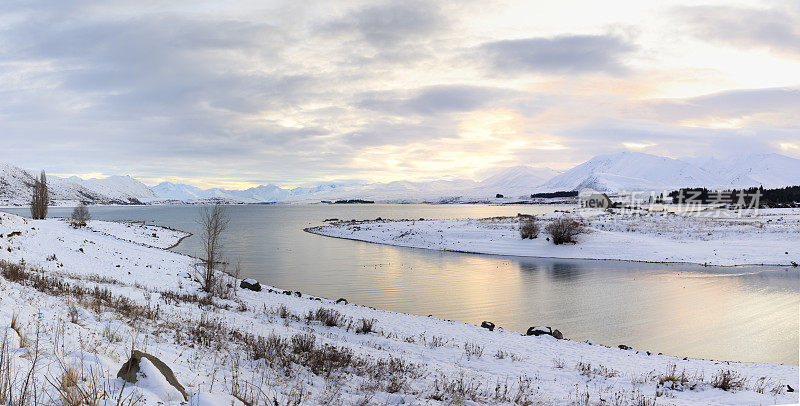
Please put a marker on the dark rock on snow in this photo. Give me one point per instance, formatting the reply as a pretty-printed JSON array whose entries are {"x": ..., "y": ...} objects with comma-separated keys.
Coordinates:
[
  {"x": 130, "y": 370},
  {"x": 488, "y": 325},
  {"x": 250, "y": 284},
  {"x": 537, "y": 331}
]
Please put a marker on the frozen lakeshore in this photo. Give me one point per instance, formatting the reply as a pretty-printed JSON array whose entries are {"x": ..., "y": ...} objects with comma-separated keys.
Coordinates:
[
  {"x": 275, "y": 346},
  {"x": 772, "y": 237}
]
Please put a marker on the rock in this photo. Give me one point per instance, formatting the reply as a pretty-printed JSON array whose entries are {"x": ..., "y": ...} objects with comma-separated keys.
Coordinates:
[
  {"x": 250, "y": 284},
  {"x": 537, "y": 331},
  {"x": 789, "y": 388},
  {"x": 130, "y": 370},
  {"x": 341, "y": 300},
  {"x": 623, "y": 347},
  {"x": 488, "y": 325}
]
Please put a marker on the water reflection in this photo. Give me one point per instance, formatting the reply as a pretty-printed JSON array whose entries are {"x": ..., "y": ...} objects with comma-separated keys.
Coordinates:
[{"x": 742, "y": 314}]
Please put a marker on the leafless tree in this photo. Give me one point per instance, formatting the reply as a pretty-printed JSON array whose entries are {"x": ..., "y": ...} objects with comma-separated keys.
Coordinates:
[
  {"x": 40, "y": 200},
  {"x": 80, "y": 215},
  {"x": 213, "y": 222}
]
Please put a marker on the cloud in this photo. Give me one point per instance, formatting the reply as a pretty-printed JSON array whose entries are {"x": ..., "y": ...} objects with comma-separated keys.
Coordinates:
[
  {"x": 731, "y": 104},
  {"x": 777, "y": 29},
  {"x": 388, "y": 25},
  {"x": 565, "y": 54},
  {"x": 436, "y": 99}
]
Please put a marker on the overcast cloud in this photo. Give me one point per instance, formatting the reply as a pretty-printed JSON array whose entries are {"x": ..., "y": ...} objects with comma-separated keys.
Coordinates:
[{"x": 237, "y": 94}]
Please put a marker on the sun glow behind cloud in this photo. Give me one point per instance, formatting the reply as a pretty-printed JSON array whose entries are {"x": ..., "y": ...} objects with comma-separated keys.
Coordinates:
[{"x": 247, "y": 93}]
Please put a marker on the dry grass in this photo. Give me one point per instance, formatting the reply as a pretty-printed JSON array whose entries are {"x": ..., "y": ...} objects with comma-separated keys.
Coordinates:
[
  {"x": 365, "y": 326},
  {"x": 328, "y": 317},
  {"x": 728, "y": 380}
]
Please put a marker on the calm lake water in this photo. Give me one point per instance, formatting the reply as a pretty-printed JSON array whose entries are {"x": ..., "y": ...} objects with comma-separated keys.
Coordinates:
[{"x": 733, "y": 314}]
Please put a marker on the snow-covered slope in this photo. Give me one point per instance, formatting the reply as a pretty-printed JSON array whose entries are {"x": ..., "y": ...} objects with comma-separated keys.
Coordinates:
[
  {"x": 768, "y": 170},
  {"x": 264, "y": 193},
  {"x": 16, "y": 184},
  {"x": 179, "y": 191},
  {"x": 117, "y": 187},
  {"x": 516, "y": 180},
  {"x": 146, "y": 297},
  {"x": 632, "y": 171}
]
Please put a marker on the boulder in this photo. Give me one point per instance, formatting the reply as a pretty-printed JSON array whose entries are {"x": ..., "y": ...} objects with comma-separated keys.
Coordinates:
[
  {"x": 623, "y": 347},
  {"x": 341, "y": 300},
  {"x": 130, "y": 370},
  {"x": 250, "y": 284},
  {"x": 488, "y": 325},
  {"x": 537, "y": 331}
]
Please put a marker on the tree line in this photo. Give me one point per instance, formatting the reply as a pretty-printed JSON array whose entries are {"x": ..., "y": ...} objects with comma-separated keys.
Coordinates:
[{"x": 740, "y": 197}]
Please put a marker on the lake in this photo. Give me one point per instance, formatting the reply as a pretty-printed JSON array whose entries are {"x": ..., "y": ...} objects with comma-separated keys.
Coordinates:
[{"x": 732, "y": 314}]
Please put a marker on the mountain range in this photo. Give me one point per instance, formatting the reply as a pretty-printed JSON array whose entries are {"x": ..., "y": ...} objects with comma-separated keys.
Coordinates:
[{"x": 622, "y": 171}]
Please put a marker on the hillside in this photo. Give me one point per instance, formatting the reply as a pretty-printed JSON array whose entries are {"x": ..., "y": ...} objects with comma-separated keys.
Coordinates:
[
  {"x": 16, "y": 184},
  {"x": 768, "y": 170},
  {"x": 632, "y": 171}
]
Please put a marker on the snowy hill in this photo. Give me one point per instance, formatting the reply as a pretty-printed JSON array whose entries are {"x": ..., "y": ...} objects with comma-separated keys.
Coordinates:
[
  {"x": 632, "y": 171},
  {"x": 16, "y": 184},
  {"x": 117, "y": 187},
  {"x": 259, "y": 194},
  {"x": 768, "y": 170},
  {"x": 515, "y": 181},
  {"x": 179, "y": 191}
]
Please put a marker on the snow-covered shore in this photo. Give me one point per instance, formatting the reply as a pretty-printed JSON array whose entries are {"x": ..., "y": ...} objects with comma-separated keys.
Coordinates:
[
  {"x": 771, "y": 237},
  {"x": 295, "y": 349}
]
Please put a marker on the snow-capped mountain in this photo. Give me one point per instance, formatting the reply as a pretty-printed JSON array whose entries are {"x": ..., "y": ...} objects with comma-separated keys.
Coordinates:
[
  {"x": 516, "y": 180},
  {"x": 258, "y": 194},
  {"x": 16, "y": 184},
  {"x": 768, "y": 170},
  {"x": 117, "y": 187},
  {"x": 179, "y": 191},
  {"x": 632, "y": 171}
]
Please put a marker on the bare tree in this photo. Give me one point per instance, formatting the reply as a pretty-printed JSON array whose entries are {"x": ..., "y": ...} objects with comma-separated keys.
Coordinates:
[
  {"x": 213, "y": 222},
  {"x": 80, "y": 215},
  {"x": 40, "y": 200}
]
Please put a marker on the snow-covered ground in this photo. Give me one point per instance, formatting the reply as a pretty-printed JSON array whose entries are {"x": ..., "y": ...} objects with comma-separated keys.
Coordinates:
[
  {"x": 152, "y": 236},
  {"x": 770, "y": 236},
  {"x": 294, "y": 349}
]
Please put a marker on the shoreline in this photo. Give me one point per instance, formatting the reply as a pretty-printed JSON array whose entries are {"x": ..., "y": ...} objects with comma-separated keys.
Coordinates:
[
  {"x": 644, "y": 237},
  {"x": 197, "y": 337},
  {"x": 314, "y": 230}
]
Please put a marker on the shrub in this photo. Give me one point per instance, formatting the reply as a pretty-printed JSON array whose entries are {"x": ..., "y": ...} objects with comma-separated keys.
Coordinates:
[
  {"x": 528, "y": 227},
  {"x": 80, "y": 215},
  {"x": 564, "y": 230}
]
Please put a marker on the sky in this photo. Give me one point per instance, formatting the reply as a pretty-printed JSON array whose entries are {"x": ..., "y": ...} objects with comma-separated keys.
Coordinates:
[{"x": 238, "y": 94}]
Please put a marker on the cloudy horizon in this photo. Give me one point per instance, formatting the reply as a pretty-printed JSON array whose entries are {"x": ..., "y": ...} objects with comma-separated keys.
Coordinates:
[{"x": 296, "y": 93}]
